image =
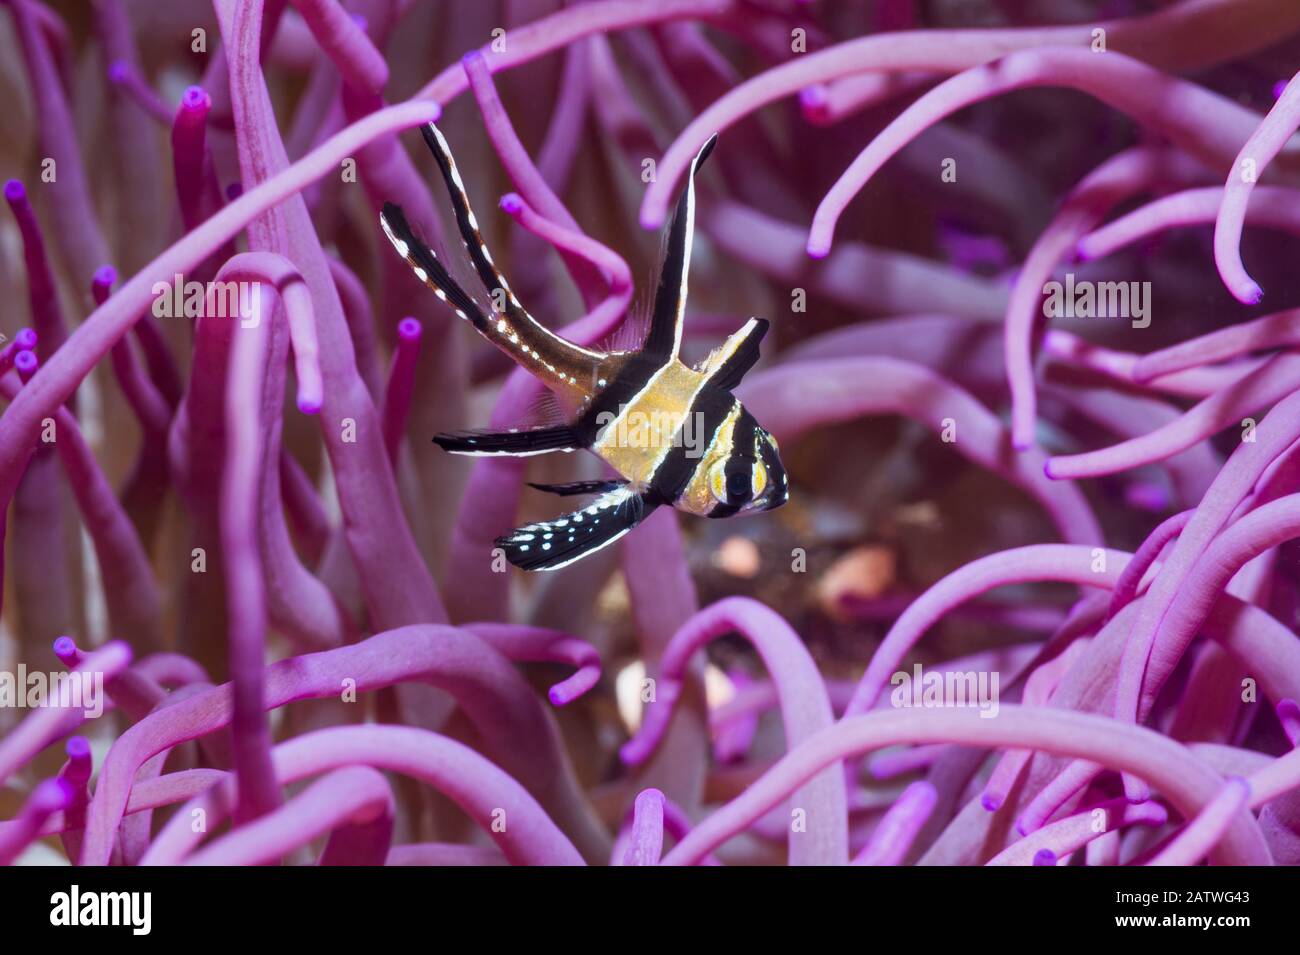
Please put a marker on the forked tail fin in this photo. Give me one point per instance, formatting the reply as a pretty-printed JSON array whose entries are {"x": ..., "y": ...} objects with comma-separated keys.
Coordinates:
[
  {"x": 424, "y": 262},
  {"x": 510, "y": 327}
]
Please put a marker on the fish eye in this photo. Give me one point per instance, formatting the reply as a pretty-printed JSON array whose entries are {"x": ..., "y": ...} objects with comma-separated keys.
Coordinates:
[
  {"x": 739, "y": 486},
  {"x": 731, "y": 482}
]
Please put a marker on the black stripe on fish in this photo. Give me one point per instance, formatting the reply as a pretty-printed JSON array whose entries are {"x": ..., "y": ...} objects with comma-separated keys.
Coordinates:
[
  {"x": 738, "y": 464},
  {"x": 550, "y": 545},
  {"x": 710, "y": 409},
  {"x": 610, "y": 401},
  {"x": 665, "y": 336},
  {"x": 522, "y": 443},
  {"x": 739, "y": 467}
]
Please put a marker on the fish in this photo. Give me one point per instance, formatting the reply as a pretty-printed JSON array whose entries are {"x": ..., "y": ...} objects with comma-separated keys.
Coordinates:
[{"x": 675, "y": 435}]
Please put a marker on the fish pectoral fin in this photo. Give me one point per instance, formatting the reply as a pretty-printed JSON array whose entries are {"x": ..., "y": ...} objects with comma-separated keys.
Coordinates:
[
  {"x": 550, "y": 545},
  {"x": 729, "y": 362},
  {"x": 520, "y": 443},
  {"x": 580, "y": 487}
]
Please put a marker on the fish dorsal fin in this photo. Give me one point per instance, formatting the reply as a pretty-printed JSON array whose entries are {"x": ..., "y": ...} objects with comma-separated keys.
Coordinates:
[
  {"x": 728, "y": 363},
  {"x": 665, "y": 335}
]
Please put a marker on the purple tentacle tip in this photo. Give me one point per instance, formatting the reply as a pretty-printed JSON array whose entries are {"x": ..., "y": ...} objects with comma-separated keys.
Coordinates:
[
  {"x": 118, "y": 71},
  {"x": 65, "y": 648},
  {"x": 409, "y": 329},
  {"x": 1044, "y": 857},
  {"x": 77, "y": 747},
  {"x": 813, "y": 97},
  {"x": 14, "y": 190},
  {"x": 195, "y": 98},
  {"x": 512, "y": 203},
  {"x": 25, "y": 339}
]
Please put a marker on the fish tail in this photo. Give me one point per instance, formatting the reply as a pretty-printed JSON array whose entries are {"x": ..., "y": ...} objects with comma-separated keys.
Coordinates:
[
  {"x": 424, "y": 262},
  {"x": 530, "y": 343}
]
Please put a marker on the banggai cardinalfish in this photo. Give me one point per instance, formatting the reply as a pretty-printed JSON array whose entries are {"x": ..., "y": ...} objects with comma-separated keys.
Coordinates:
[{"x": 634, "y": 409}]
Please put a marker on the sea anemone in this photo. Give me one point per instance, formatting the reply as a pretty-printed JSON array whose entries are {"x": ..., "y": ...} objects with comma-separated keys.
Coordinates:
[{"x": 1033, "y": 367}]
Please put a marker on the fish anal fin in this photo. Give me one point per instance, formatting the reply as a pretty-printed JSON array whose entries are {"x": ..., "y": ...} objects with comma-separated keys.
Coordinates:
[{"x": 550, "y": 545}]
